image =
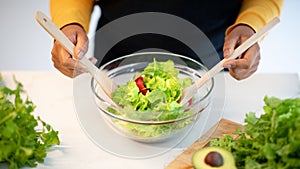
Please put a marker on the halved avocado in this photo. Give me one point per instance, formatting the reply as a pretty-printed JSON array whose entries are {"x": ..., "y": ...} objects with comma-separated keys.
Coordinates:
[{"x": 212, "y": 158}]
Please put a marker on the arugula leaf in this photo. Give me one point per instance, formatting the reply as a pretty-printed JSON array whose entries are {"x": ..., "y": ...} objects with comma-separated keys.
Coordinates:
[
  {"x": 20, "y": 142},
  {"x": 271, "y": 141}
]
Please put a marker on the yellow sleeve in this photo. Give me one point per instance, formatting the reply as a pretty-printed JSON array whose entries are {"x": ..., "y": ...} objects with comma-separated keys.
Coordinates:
[
  {"x": 257, "y": 13},
  {"x": 64, "y": 12}
]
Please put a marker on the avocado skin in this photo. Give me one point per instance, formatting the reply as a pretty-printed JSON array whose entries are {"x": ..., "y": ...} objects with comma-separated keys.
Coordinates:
[{"x": 198, "y": 158}]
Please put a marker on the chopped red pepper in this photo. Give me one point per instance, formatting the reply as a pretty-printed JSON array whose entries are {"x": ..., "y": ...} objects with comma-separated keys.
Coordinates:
[
  {"x": 190, "y": 101},
  {"x": 140, "y": 84}
]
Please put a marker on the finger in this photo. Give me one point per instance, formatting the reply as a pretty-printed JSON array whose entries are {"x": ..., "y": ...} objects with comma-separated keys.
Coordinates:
[
  {"x": 93, "y": 60},
  {"x": 57, "y": 59},
  {"x": 65, "y": 59},
  {"x": 239, "y": 73},
  {"x": 249, "y": 57},
  {"x": 62, "y": 60},
  {"x": 231, "y": 41},
  {"x": 78, "y": 37},
  {"x": 81, "y": 45},
  {"x": 246, "y": 60}
]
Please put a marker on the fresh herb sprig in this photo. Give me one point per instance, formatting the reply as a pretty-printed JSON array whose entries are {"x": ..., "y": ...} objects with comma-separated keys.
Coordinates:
[{"x": 24, "y": 138}]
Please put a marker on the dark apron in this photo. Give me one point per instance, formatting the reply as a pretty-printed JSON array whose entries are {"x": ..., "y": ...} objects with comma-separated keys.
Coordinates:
[{"x": 212, "y": 17}]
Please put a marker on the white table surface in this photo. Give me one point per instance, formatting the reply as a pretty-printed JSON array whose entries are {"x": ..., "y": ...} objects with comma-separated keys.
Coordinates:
[{"x": 52, "y": 93}]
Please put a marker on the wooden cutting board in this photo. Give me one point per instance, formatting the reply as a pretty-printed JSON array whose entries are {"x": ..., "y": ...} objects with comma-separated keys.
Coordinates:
[{"x": 184, "y": 161}]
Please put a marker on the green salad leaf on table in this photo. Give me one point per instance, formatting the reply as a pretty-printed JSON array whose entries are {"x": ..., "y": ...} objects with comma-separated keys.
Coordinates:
[
  {"x": 271, "y": 141},
  {"x": 156, "y": 89},
  {"x": 21, "y": 143}
]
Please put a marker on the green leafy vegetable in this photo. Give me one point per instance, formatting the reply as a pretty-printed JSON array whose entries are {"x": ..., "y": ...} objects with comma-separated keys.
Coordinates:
[
  {"x": 21, "y": 144},
  {"x": 162, "y": 92},
  {"x": 271, "y": 141},
  {"x": 165, "y": 89}
]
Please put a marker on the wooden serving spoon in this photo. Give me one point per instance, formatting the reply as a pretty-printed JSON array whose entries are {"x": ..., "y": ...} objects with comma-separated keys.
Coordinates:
[
  {"x": 107, "y": 84},
  {"x": 189, "y": 92}
]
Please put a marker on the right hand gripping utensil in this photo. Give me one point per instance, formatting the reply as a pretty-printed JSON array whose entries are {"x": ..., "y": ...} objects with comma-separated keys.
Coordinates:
[{"x": 189, "y": 92}]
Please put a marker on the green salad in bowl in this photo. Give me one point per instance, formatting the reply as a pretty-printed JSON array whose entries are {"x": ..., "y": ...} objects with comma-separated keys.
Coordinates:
[{"x": 148, "y": 95}]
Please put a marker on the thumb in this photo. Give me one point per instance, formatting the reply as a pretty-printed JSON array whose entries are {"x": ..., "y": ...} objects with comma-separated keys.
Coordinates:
[{"x": 81, "y": 46}]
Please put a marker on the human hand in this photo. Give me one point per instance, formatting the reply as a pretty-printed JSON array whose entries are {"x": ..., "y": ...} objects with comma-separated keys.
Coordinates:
[
  {"x": 246, "y": 64},
  {"x": 63, "y": 61}
]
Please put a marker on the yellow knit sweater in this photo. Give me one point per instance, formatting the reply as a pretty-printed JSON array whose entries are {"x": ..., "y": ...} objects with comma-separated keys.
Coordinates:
[{"x": 255, "y": 13}]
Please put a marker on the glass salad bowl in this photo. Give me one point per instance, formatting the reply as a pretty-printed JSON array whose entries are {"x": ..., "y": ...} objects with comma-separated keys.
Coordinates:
[{"x": 149, "y": 125}]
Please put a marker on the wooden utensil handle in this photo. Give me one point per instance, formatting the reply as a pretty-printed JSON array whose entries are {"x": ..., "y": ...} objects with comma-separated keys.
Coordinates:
[{"x": 54, "y": 31}]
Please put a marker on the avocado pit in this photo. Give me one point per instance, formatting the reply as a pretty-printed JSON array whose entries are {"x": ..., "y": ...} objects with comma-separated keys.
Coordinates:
[{"x": 214, "y": 159}]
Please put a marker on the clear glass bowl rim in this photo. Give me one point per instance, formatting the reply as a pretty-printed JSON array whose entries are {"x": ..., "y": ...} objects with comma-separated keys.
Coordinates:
[{"x": 153, "y": 122}]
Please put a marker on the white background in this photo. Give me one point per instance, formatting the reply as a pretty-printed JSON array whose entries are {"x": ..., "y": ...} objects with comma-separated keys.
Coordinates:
[{"x": 26, "y": 46}]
